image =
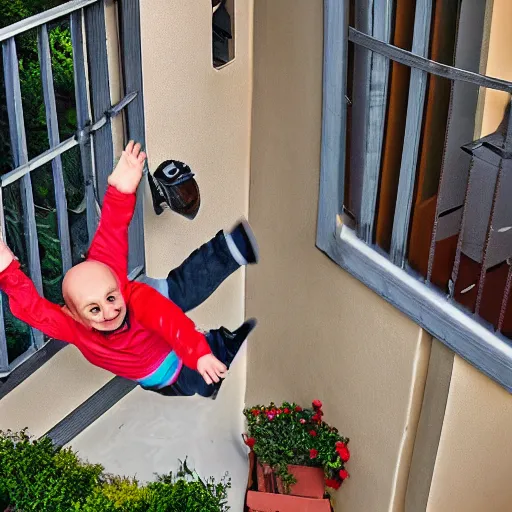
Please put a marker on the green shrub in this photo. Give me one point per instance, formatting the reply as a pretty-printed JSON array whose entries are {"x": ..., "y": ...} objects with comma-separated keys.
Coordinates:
[
  {"x": 117, "y": 494},
  {"x": 37, "y": 476},
  {"x": 186, "y": 491},
  {"x": 183, "y": 492}
]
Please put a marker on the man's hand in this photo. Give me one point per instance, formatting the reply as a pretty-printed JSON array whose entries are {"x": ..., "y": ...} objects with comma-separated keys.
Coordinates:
[
  {"x": 6, "y": 256},
  {"x": 211, "y": 369},
  {"x": 128, "y": 172}
]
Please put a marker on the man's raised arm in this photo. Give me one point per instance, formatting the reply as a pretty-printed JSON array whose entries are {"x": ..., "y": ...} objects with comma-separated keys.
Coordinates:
[{"x": 110, "y": 243}]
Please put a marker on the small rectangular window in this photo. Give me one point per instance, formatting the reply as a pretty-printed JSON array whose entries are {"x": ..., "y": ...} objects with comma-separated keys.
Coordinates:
[{"x": 223, "y": 32}]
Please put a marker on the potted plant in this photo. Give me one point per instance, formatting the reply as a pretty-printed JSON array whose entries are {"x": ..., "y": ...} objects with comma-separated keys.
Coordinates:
[{"x": 297, "y": 452}]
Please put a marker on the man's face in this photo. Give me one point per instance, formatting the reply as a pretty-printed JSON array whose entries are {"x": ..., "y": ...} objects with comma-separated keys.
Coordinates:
[{"x": 96, "y": 298}]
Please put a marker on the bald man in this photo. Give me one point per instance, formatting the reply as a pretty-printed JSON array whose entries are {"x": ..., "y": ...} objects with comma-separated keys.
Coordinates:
[{"x": 138, "y": 330}]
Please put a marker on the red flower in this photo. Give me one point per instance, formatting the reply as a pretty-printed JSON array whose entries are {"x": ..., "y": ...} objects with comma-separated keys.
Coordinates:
[
  {"x": 333, "y": 484},
  {"x": 317, "y": 404},
  {"x": 343, "y": 451},
  {"x": 313, "y": 454},
  {"x": 279, "y": 411},
  {"x": 316, "y": 417},
  {"x": 298, "y": 408},
  {"x": 286, "y": 410},
  {"x": 250, "y": 442},
  {"x": 302, "y": 421},
  {"x": 312, "y": 433},
  {"x": 344, "y": 474},
  {"x": 255, "y": 412}
]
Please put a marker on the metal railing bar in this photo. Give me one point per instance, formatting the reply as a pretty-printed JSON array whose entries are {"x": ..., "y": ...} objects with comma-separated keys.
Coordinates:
[
  {"x": 100, "y": 92},
  {"x": 131, "y": 61},
  {"x": 20, "y": 360},
  {"x": 416, "y": 61},
  {"x": 20, "y": 155},
  {"x": 38, "y": 161},
  {"x": 4, "y": 355},
  {"x": 83, "y": 116},
  {"x": 64, "y": 146},
  {"x": 414, "y": 121},
  {"x": 42, "y": 18},
  {"x": 117, "y": 109},
  {"x": 54, "y": 140}
]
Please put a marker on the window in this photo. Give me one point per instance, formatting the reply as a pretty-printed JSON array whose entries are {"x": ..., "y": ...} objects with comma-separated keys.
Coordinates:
[
  {"x": 55, "y": 128},
  {"x": 410, "y": 203},
  {"x": 223, "y": 33}
]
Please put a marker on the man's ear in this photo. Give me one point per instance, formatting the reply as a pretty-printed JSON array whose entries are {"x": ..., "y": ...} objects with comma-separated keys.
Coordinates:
[{"x": 70, "y": 313}]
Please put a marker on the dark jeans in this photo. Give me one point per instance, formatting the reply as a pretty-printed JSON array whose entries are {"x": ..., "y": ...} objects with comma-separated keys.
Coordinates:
[
  {"x": 201, "y": 273},
  {"x": 188, "y": 286}
]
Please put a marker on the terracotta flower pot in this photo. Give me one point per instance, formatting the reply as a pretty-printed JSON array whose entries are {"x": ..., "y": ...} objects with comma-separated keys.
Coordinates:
[
  {"x": 310, "y": 481},
  {"x": 266, "y": 502}
]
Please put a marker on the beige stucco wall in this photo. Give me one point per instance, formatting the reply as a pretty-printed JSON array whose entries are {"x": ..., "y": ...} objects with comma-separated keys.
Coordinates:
[
  {"x": 199, "y": 115},
  {"x": 51, "y": 393},
  {"x": 322, "y": 333},
  {"x": 474, "y": 460}
]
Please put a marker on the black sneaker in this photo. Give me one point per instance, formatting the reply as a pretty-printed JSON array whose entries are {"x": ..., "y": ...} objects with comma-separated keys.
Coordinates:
[
  {"x": 233, "y": 342},
  {"x": 173, "y": 186}
]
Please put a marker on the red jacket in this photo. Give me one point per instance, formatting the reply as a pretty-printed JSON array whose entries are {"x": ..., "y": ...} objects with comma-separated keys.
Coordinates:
[{"x": 155, "y": 327}]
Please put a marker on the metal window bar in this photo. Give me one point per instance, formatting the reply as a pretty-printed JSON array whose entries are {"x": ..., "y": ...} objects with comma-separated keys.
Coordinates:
[
  {"x": 52, "y": 124},
  {"x": 434, "y": 68},
  {"x": 377, "y": 18},
  {"x": 414, "y": 120},
  {"x": 463, "y": 101},
  {"x": 91, "y": 86}
]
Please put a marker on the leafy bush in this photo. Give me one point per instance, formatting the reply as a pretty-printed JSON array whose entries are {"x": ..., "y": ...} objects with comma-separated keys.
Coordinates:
[
  {"x": 291, "y": 435},
  {"x": 37, "y": 476},
  {"x": 187, "y": 491}
]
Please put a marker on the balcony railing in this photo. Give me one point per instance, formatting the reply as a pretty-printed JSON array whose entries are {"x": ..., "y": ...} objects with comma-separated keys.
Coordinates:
[{"x": 93, "y": 136}]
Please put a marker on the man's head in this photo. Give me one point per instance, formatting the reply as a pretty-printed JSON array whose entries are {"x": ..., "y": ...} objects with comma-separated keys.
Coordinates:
[{"x": 91, "y": 292}]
